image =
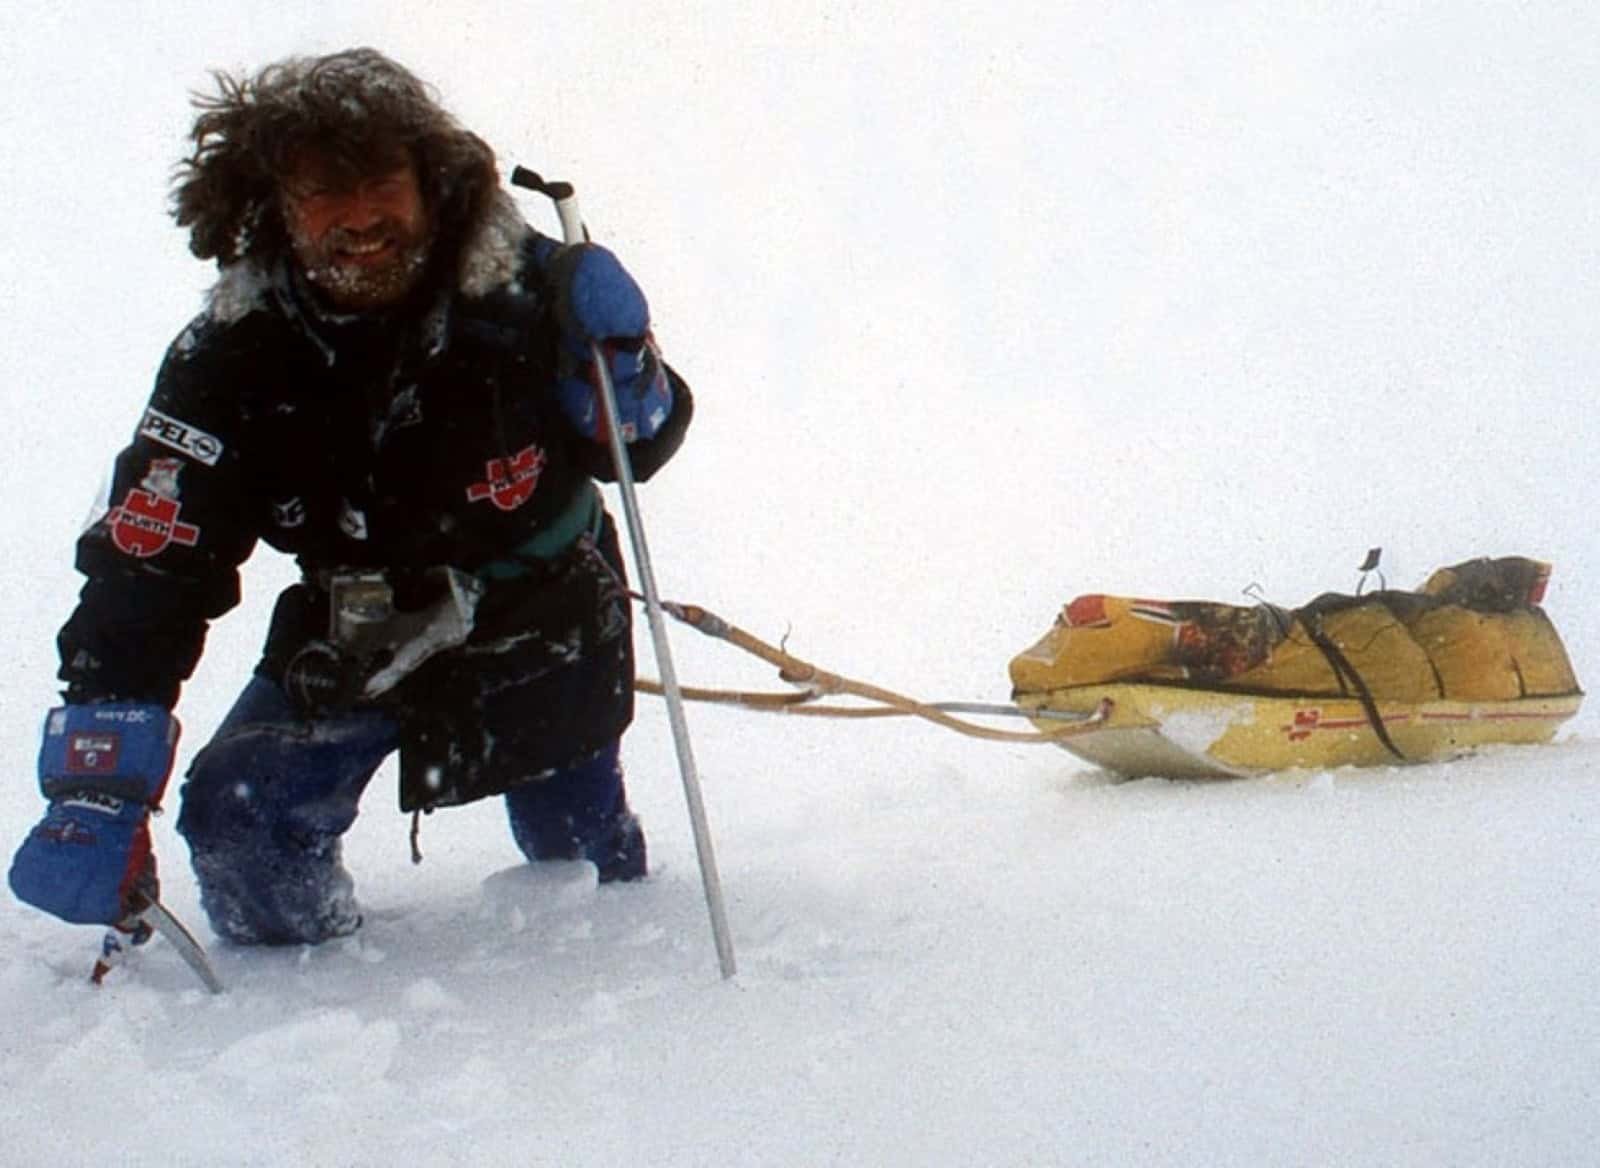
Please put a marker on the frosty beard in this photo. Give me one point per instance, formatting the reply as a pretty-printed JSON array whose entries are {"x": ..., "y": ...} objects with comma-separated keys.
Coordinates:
[{"x": 356, "y": 271}]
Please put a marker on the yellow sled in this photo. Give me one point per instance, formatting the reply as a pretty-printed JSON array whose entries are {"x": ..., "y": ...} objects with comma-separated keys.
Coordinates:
[{"x": 1197, "y": 689}]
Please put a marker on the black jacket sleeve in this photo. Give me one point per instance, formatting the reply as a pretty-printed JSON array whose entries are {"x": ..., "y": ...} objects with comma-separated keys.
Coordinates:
[{"x": 162, "y": 559}]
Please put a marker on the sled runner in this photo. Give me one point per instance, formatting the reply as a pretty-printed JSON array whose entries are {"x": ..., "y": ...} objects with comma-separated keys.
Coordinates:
[{"x": 1197, "y": 689}]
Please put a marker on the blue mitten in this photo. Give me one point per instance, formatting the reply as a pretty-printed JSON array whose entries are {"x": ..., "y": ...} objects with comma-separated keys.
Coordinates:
[
  {"x": 103, "y": 768},
  {"x": 596, "y": 299},
  {"x": 643, "y": 394},
  {"x": 598, "y": 303}
]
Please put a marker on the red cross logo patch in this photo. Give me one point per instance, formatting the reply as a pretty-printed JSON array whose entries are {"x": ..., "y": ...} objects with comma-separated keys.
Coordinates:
[
  {"x": 509, "y": 482},
  {"x": 146, "y": 523}
]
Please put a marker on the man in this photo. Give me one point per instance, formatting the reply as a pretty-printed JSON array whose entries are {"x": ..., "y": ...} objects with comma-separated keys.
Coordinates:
[{"x": 391, "y": 381}]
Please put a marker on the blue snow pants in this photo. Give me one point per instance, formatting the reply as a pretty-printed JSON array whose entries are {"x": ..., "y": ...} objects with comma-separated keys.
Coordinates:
[{"x": 267, "y": 800}]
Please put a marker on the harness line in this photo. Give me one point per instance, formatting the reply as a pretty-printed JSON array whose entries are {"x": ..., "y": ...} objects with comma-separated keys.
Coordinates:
[{"x": 819, "y": 683}]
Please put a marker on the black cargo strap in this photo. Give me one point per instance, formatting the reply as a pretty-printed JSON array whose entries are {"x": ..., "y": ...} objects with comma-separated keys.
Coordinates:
[{"x": 1348, "y": 678}]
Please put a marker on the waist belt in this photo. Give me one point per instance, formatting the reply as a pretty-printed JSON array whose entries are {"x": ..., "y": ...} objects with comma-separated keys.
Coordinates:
[{"x": 579, "y": 517}]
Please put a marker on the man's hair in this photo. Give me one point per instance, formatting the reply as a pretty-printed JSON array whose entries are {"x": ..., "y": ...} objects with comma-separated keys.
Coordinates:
[{"x": 355, "y": 109}]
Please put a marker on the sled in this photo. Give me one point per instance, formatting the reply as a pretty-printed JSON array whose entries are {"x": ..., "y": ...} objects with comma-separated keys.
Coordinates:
[
  {"x": 1179, "y": 731},
  {"x": 1193, "y": 689}
]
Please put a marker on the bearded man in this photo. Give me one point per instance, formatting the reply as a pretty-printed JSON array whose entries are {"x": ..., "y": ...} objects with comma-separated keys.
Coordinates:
[{"x": 392, "y": 382}]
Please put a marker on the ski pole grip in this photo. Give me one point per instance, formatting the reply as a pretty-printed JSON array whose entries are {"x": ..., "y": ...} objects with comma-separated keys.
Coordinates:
[{"x": 564, "y": 197}]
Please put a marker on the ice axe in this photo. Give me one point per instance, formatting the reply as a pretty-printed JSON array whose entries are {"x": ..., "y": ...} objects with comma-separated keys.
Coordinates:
[
  {"x": 147, "y": 917},
  {"x": 573, "y": 231}
]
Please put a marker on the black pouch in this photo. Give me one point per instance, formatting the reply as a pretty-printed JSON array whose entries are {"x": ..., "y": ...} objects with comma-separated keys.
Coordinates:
[{"x": 546, "y": 678}]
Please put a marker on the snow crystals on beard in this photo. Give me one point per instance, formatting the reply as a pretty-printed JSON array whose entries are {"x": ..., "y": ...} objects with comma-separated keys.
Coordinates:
[{"x": 356, "y": 286}]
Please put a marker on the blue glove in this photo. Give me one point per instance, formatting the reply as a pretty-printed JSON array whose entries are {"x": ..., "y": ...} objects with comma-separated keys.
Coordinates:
[
  {"x": 103, "y": 768},
  {"x": 644, "y": 396},
  {"x": 596, "y": 299},
  {"x": 598, "y": 303}
]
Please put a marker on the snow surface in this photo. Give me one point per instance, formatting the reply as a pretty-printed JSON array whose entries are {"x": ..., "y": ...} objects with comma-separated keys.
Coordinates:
[{"x": 984, "y": 309}]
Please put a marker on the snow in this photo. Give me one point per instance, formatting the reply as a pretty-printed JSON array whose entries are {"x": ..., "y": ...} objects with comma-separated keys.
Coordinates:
[{"x": 983, "y": 310}]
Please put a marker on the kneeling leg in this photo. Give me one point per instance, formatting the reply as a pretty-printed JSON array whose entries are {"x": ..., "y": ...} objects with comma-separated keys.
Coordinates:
[{"x": 264, "y": 806}]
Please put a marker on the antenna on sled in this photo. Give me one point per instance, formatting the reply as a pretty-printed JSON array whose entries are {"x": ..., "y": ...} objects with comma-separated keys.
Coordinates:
[{"x": 1369, "y": 565}]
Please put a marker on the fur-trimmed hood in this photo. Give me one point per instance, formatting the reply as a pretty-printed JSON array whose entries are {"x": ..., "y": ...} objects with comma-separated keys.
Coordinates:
[{"x": 489, "y": 258}]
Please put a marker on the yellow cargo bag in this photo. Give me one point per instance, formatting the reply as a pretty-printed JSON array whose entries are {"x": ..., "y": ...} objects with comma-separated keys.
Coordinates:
[{"x": 1473, "y": 632}]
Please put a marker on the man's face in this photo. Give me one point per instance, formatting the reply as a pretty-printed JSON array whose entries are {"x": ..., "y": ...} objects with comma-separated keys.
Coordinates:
[{"x": 362, "y": 240}]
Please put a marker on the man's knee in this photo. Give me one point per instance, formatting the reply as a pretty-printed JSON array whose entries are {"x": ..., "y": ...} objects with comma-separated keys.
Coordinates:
[
  {"x": 220, "y": 800},
  {"x": 269, "y": 777}
]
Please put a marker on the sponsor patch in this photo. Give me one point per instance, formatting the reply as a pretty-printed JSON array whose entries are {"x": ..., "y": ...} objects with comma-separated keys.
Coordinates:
[
  {"x": 181, "y": 436},
  {"x": 509, "y": 482},
  {"x": 92, "y": 754},
  {"x": 149, "y": 517}
]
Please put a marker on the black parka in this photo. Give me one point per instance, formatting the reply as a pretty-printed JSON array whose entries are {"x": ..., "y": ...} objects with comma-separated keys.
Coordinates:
[{"x": 424, "y": 437}]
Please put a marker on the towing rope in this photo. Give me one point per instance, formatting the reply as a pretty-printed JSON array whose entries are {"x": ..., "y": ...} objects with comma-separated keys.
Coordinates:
[{"x": 818, "y": 683}]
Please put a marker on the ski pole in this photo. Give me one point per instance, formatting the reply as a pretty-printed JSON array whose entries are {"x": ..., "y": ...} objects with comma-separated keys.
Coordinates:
[{"x": 573, "y": 231}]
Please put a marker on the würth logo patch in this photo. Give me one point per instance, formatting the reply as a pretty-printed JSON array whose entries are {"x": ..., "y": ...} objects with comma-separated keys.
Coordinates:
[
  {"x": 509, "y": 482},
  {"x": 147, "y": 520}
]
